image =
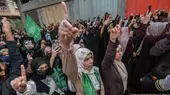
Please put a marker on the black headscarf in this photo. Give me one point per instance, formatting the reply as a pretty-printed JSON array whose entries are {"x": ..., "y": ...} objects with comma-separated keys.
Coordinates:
[{"x": 40, "y": 86}]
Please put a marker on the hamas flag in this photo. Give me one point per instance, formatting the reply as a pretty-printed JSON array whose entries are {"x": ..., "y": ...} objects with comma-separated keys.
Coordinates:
[{"x": 32, "y": 29}]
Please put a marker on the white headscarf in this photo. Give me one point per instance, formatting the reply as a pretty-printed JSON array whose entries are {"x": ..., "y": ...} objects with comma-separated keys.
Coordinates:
[
  {"x": 124, "y": 38},
  {"x": 76, "y": 47},
  {"x": 154, "y": 29},
  {"x": 81, "y": 54}
]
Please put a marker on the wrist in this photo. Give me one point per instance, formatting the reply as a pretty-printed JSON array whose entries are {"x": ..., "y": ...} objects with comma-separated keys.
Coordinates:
[{"x": 53, "y": 56}]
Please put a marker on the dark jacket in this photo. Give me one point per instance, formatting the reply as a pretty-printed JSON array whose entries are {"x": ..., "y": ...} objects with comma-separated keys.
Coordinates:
[
  {"x": 15, "y": 63},
  {"x": 162, "y": 52},
  {"x": 92, "y": 43},
  {"x": 145, "y": 62},
  {"x": 111, "y": 78},
  {"x": 132, "y": 46}
]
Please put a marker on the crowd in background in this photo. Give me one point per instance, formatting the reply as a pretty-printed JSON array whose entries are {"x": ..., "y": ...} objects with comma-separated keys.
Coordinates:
[{"x": 105, "y": 56}]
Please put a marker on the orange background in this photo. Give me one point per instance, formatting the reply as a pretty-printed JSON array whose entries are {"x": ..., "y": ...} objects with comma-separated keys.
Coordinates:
[{"x": 141, "y": 6}]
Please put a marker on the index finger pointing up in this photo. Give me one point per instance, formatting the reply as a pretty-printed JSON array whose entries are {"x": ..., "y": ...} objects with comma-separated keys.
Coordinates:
[
  {"x": 23, "y": 72},
  {"x": 65, "y": 10},
  {"x": 4, "y": 19}
]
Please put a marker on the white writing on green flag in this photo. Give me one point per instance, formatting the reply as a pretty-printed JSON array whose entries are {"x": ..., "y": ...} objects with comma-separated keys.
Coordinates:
[{"x": 32, "y": 29}]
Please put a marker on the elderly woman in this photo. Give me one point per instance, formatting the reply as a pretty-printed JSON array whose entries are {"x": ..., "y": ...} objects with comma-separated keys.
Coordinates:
[{"x": 89, "y": 81}]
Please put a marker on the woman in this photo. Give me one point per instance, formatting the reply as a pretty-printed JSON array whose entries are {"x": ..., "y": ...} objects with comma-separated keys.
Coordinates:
[
  {"x": 145, "y": 62},
  {"x": 89, "y": 81},
  {"x": 113, "y": 70},
  {"x": 40, "y": 83}
]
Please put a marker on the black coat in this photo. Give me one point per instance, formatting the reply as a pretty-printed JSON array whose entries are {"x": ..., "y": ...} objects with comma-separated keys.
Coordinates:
[
  {"x": 145, "y": 62},
  {"x": 92, "y": 44}
]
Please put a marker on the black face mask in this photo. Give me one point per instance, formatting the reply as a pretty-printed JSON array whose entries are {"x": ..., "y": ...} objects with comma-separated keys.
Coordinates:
[{"x": 42, "y": 73}]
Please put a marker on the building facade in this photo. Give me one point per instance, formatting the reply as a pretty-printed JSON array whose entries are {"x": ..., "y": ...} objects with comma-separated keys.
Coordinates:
[
  {"x": 9, "y": 9},
  {"x": 50, "y": 11}
]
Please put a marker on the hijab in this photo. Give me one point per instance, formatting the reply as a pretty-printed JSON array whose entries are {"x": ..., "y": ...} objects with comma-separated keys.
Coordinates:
[
  {"x": 122, "y": 69},
  {"x": 40, "y": 86},
  {"x": 80, "y": 55},
  {"x": 154, "y": 29},
  {"x": 36, "y": 63}
]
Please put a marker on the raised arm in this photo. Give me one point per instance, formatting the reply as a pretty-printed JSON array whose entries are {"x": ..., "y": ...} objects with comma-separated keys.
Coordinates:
[
  {"x": 160, "y": 47},
  {"x": 14, "y": 54},
  {"x": 111, "y": 48},
  {"x": 66, "y": 36}
]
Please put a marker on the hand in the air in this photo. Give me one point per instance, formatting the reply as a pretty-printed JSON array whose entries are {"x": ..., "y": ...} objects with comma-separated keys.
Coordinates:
[
  {"x": 146, "y": 19},
  {"x": 115, "y": 32},
  {"x": 66, "y": 30},
  {"x": 19, "y": 84},
  {"x": 6, "y": 28},
  {"x": 108, "y": 21}
]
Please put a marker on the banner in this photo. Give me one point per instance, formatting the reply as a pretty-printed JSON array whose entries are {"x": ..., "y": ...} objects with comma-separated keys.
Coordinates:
[{"x": 32, "y": 29}]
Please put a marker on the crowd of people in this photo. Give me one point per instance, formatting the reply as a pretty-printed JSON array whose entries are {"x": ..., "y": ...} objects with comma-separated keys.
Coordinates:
[{"x": 102, "y": 57}]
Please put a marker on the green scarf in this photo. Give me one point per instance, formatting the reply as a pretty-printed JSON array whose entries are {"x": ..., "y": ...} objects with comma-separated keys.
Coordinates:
[
  {"x": 59, "y": 78},
  {"x": 87, "y": 83}
]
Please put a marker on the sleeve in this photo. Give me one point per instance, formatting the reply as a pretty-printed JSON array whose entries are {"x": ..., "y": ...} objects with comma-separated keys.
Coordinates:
[
  {"x": 163, "y": 84},
  {"x": 15, "y": 60},
  {"x": 69, "y": 65},
  {"x": 30, "y": 90},
  {"x": 160, "y": 47},
  {"x": 109, "y": 56},
  {"x": 140, "y": 33}
]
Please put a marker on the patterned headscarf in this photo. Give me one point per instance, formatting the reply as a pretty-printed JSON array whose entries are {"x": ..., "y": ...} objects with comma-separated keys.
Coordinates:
[{"x": 81, "y": 54}]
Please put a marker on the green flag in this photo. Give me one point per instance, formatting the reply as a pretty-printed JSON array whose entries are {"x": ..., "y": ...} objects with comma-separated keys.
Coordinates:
[{"x": 32, "y": 29}]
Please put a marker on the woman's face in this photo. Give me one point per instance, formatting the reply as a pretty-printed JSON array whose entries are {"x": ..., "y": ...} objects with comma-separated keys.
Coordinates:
[
  {"x": 43, "y": 67},
  {"x": 135, "y": 25},
  {"x": 88, "y": 62},
  {"x": 47, "y": 50},
  {"x": 43, "y": 42},
  {"x": 29, "y": 45},
  {"x": 119, "y": 54},
  {"x": 2, "y": 70}
]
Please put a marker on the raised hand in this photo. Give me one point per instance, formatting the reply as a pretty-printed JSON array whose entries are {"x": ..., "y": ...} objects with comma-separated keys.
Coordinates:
[
  {"x": 146, "y": 19},
  {"x": 6, "y": 28},
  {"x": 115, "y": 32},
  {"x": 19, "y": 84},
  {"x": 108, "y": 21},
  {"x": 66, "y": 30}
]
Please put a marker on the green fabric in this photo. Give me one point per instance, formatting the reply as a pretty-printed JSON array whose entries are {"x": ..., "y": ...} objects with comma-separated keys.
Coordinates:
[
  {"x": 59, "y": 78},
  {"x": 32, "y": 29},
  {"x": 88, "y": 85}
]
